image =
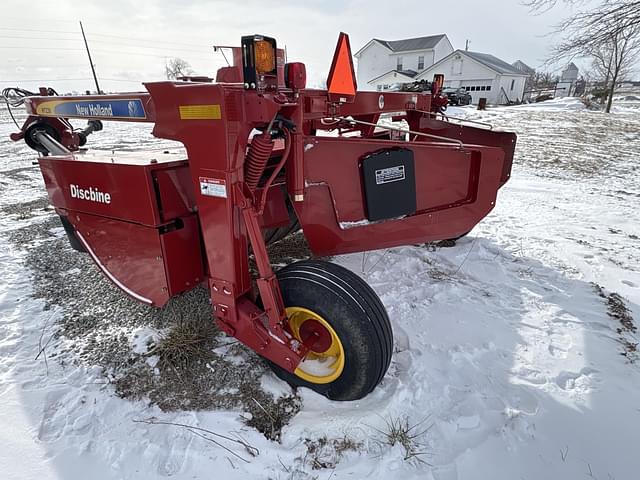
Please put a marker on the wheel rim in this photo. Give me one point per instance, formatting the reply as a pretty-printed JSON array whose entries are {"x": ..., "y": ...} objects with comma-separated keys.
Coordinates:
[{"x": 325, "y": 361}]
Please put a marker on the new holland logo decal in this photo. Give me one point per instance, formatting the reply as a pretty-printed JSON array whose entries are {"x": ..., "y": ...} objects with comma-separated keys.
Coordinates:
[{"x": 122, "y": 108}]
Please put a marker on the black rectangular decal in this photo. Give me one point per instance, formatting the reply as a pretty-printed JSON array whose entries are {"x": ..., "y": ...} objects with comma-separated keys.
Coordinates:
[{"x": 389, "y": 183}]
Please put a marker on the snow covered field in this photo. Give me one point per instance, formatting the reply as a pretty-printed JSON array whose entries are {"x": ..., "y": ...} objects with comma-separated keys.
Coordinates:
[{"x": 514, "y": 350}]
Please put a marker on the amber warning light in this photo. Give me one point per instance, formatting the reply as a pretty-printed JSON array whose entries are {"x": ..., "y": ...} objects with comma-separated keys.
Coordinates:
[
  {"x": 341, "y": 83},
  {"x": 265, "y": 56},
  {"x": 259, "y": 61}
]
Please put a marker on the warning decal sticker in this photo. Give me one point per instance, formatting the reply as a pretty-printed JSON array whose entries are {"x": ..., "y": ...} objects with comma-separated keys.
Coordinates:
[{"x": 213, "y": 187}]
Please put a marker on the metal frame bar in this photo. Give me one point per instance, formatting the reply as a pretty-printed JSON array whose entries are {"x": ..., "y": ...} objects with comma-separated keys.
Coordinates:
[{"x": 402, "y": 130}]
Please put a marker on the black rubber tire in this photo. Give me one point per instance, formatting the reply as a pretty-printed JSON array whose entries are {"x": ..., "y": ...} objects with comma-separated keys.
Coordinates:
[
  {"x": 273, "y": 235},
  {"x": 356, "y": 314}
]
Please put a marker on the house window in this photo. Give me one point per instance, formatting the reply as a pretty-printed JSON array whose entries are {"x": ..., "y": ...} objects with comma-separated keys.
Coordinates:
[
  {"x": 483, "y": 88},
  {"x": 513, "y": 83},
  {"x": 399, "y": 65},
  {"x": 488, "y": 88},
  {"x": 420, "y": 62}
]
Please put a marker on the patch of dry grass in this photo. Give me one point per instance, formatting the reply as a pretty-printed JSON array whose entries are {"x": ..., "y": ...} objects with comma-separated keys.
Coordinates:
[
  {"x": 324, "y": 453},
  {"x": 400, "y": 431},
  {"x": 187, "y": 342},
  {"x": 618, "y": 310}
]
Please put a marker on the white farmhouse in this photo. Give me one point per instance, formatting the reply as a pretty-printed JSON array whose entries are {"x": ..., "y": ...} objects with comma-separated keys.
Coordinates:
[
  {"x": 381, "y": 63},
  {"x": 481, "y": 74}
]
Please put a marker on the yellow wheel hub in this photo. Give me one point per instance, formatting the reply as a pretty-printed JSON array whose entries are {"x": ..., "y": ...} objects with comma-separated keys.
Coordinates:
[{"x": 318, "y": 366}]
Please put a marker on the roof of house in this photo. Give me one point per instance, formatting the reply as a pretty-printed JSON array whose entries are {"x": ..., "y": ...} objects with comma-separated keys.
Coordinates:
[
  {"x": 419, "y": 43},
  {"x": 406, "y": 73},
  {"x": 408, "y": 44},
  {"x": 489, "y": 61},
  {"x": 494, "y": 63}
]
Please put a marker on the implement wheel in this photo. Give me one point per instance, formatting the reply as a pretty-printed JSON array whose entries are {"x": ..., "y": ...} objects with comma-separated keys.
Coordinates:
[
  {"x": 273, "y": 235},
  {"x": 340, "y": 317}
]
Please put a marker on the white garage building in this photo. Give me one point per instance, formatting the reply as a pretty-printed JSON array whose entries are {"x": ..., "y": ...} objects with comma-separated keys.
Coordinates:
[
  {"x": 382, "y": 63},
  {"x": 481, "y": 74}
]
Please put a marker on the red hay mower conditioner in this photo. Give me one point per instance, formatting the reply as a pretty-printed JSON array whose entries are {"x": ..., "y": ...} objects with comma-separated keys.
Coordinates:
[{"x": 266, "y": 157}]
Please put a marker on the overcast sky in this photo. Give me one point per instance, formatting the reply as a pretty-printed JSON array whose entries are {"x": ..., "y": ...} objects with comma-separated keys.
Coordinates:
[{"x": 40, "y": 43}]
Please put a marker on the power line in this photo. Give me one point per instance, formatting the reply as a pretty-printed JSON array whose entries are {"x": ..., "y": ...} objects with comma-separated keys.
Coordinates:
[
  {"x": 150, "y": 40},
  {"x": 150, "y": 54},
  {"x": 20, "y": 47},
  {"x": 93, "y": 34},
  {"x": 37, "y": 30},
  {"x": 43, "y": 80},
  {"x": 47, "y": 22},
  {"x": 66, "y": 80},
  {"x": 150, "y": 47},
  {"x": 89, "y": 36},
  {"x": 62, "y": 65},
  {"x": 40, "y": 38},
  {"x": 120, "y": 52}
]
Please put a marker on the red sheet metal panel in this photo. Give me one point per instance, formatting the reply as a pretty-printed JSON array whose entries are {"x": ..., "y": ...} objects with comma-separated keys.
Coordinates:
[
  {"x": 129, "y": 255},
  {"x": 455, "y": 190},
  {"x": 146, "y": 263},
  {"x": 175, "y": 191},
  {"x": 182, "y": 255},
  {"x": 119, "y": 189},
  {"x": 475, "y": 136}
]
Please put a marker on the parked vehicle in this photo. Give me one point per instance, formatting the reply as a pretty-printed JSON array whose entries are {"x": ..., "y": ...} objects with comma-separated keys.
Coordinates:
[{"x": 457, "y": 96}]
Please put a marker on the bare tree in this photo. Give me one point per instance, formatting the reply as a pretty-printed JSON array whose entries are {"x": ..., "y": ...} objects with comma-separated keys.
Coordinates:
[
  {"x": 613, "y": 60},
  {"x": 177, "y": 67},
  {"x": 608, "y": 33},
  {"x": 597, "y": 18},
  {"x": 544, "y": 80},
  {"x": 602, "y": 63}
]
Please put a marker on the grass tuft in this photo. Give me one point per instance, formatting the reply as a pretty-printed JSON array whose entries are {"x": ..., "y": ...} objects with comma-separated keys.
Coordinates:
[
  {"x": 186, "y": 343},
  {"x": 399, "y": 431},
  {"x": 323, "y": 453}
]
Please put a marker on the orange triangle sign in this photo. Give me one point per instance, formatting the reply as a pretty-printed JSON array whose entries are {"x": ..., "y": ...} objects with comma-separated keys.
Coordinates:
[{"x": 341, "y": 83}]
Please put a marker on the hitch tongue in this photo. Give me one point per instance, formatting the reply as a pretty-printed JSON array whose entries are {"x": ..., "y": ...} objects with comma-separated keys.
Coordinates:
[{"x": 92, "y": 126}]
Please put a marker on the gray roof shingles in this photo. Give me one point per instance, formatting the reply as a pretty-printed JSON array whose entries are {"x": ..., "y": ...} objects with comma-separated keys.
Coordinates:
[
  {"x": 408, "y": 73},
  {"x": 493, "y": 63},
  {"x": 409, "y": 44}
]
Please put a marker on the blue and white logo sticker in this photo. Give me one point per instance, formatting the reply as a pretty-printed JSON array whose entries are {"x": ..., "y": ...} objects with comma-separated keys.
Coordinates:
[{"x": 125, "y": 108}]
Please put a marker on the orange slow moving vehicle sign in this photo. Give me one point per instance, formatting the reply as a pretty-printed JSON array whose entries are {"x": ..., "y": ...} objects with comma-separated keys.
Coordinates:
[{"x": 341, "y": 83}]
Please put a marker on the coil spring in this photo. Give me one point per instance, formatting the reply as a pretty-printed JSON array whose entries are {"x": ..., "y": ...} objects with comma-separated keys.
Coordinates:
[{"x": 257, "y": 158}]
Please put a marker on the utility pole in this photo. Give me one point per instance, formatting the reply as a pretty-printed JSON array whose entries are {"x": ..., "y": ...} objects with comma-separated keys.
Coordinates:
[{"x": 95, "y": 78}]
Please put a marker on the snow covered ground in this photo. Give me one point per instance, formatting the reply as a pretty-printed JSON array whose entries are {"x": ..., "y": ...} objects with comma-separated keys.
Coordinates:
[{"x": 513, "y": 351}]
